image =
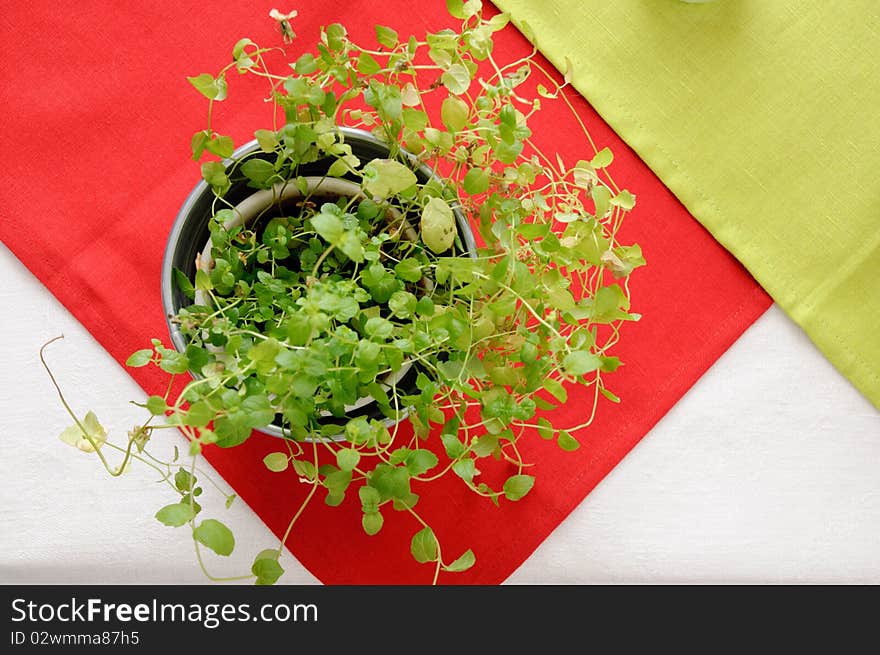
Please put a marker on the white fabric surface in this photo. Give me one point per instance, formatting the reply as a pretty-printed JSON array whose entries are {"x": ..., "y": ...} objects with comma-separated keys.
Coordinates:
[{"x": 767, "y": 471}]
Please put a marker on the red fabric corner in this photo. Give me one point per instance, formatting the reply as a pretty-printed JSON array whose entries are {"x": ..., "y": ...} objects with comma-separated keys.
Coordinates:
[{"x": 97, "y": 122}]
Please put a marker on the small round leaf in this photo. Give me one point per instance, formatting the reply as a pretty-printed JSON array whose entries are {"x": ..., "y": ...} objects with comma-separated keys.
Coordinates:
[
  {"x": 276, "y": 462},
  {"x": 518, "y": 486},
  {"x": 438, "y": 225},
  {"x": 216, "y": 536}
]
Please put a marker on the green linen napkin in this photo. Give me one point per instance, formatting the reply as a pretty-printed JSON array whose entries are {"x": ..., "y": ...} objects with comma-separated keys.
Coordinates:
[{"x": 763, "y": 117}]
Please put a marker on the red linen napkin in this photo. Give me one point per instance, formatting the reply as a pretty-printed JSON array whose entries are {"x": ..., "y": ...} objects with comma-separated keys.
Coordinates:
[{"x": 97, "y": 123}]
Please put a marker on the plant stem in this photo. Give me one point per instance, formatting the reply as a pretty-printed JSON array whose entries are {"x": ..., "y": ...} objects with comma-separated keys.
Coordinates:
[{"x": 82, "y": 429}]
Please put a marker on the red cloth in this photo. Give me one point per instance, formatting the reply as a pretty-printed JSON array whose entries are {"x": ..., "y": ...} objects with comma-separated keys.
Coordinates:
[{"x": 97, "y": 123}]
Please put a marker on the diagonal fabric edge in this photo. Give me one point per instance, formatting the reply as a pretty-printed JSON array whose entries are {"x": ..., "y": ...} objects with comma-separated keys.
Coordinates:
[{"x": 841, "y": 309}]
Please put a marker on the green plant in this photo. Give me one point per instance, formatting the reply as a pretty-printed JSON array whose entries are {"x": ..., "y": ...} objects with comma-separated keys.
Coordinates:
[{"x": 322, "y": 300}]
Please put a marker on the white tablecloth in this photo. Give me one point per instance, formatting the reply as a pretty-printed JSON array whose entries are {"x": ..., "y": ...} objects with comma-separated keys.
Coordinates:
[{"x": 767, "y": 471}]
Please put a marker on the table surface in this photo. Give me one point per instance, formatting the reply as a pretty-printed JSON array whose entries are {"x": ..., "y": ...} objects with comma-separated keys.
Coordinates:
[{"x": 767, "y": 471}]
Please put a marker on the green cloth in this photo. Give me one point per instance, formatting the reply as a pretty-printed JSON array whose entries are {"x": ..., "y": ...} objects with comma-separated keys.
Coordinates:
[{"x": 763, "y": 117}]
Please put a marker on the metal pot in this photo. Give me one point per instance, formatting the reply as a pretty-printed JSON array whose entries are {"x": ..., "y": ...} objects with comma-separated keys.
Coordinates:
[{"x": 189, "y": 235}]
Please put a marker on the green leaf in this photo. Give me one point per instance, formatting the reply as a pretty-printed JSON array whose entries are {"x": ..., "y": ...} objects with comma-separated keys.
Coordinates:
[
  {"x": 507, "y": 153},
  {"x": 306, "y": 64},
  {"x": 601, "y": 198},
  {"x": 337, "y": 481},
  {"x": 305, "y": 469},
  {"x": 463, "y": 563},
  {"x": 386, "y": 177},
  {"x": 266, "y": 567},
  {"x": 139, "y": 358},
  {"x": 183, "y": 283},
  {"x": 602, "y": 159},
  {"x": 172, "y": 361},
  {"x": 222, "y": 146},
  {"x": 378, "y": 328},
  {"x": 499, "y": 21},
  {"x": 386, "y": 36},
  {"x": 545, "y": 429},
  {"x": 367, "y": 65},
  {"x": 232, "y": 429},
  {"x": 456, "y": 9},
  {"x": 555, "y": 389},
  {"x": 610, "y": 364},
  {"x": 497, "y": 403},
  {"x": 609, "y": 395},
  {"x": 266, "y": 139},
  {"x": 184, "y": 480},
  {"x": 424, "y": 546},
  {"x": 480, "y": 42},
  {"x": 409, "y": 269},
  {"x": 485, "y": 444},
  {"x": 454, "y": 113},
  {"x": 214, "y": 173},
  {"x": 213, "y": 89},
  {"x": 457, "y": 79},
  {"x": 421, "y": 460},
  {"x": 334, "y": 498},
  {"x": 203, "y": 281},
  {"x": 372, "y": 522},
  {"x": 239, "y": 48},
  {"x": 624, "y": 260},
  {"x": 425, "y": 306},
  {"x": 175, "y": 515},
  {"x": 196, "y": 356},
  {"x": 406, "y": 503},
  {"x": 402, "y": 304},
  {"x": 463, "y": 9},
  {"x": 567, "y": 442},
  {"x": 465, "y": 469},
  {"x": 370, "y": 498},
  {"x": 379, "y": 282},
  {"x": 329, "y": 226},
  {"x": 475, "y": 181},
  {"x": 517, "y": 486},
  {"x": 415, "y": 119},
  {"x": 347, "y": 458},
  {"x": 581, "y": 362},
  {"x": 73, "y": 435},
  {"x": 156, "y": 405},
  {"x": 358, "y": 430},
  {"x": 608, "y": 301},
  {"x": 258, "y": 171},
  {"x": 399, "y": 455},
  {"x": 624, "y": 200},
  {"x": 541, "y": 403},
  {"x": 340, "y": 167},
  {"x": 264, "y": 351},
  {"x": 199, "y": 143},
  {"x": 216, "y": 536},
  {"x": 441, "y": 140},
  {"x": 276, "y": 462},
  {"x": 335, "y": 35},
  {"x": 199, "y": 414},
  {"x": 452, "y": 444},
  {"x": 438, "y": 225},
  {"x": 390, "y": 481},
  {"x": 472, "y": 7}
]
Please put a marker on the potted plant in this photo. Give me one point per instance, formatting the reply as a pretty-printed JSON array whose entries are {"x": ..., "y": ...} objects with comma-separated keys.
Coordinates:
[{"x": 395, "y": 247}]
